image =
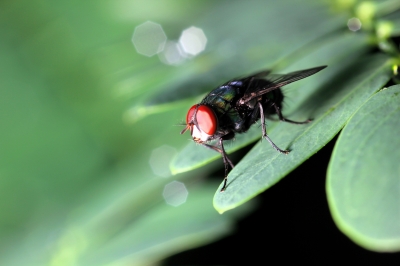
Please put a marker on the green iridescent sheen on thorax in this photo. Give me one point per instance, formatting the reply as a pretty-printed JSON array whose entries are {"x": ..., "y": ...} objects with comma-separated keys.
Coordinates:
[{"x": 223, "y": 99}]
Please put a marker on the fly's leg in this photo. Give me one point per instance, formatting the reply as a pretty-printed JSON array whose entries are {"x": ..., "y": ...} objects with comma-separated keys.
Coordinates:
[
  {"x": 264, "y": 131},
  {"x": 227, "y": 161},
  {"x": 279, "y": 113}
]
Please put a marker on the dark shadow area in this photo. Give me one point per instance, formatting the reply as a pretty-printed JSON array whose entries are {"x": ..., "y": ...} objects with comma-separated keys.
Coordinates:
[{"x": 292, "y": 223}]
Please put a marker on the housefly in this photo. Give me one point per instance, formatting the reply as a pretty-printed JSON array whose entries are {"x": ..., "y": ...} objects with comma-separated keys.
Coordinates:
[{"x": 236, "y": 105}]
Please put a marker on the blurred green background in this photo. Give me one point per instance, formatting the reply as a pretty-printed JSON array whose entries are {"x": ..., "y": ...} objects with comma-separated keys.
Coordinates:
[{"x": 89, "y": 125}]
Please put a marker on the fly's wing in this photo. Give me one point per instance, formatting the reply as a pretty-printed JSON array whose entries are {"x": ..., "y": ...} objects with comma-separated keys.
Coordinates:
[
  {"x": 260, "y": 74},
  {"x": 277, "y": 81},
  {"x": 244, "y": 80}
]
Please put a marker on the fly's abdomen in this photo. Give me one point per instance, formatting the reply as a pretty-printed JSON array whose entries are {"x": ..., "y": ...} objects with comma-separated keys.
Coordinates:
[{"x": 272, "y": 99}]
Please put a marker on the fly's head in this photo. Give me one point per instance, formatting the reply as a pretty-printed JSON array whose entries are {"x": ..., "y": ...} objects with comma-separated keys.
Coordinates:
[{"x": 202, "y": 123}]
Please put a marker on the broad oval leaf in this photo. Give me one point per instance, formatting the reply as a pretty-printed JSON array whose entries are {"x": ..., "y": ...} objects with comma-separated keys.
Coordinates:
[
  {"x": 363, "y": 184},
  {"x": 331, "y": 106}
]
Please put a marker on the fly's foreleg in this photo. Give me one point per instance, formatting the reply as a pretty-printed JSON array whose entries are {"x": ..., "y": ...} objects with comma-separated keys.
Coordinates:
[{"x": 225, "y": 158}]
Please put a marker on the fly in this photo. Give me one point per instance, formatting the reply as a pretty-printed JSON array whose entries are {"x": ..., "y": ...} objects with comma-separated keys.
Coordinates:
[{"x": 236, "y": 105}]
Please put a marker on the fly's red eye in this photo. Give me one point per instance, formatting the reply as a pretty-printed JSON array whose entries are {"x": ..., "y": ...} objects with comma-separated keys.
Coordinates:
[
  {"x": 190, "y": 114},
  {"x": 206, "y": 119}
]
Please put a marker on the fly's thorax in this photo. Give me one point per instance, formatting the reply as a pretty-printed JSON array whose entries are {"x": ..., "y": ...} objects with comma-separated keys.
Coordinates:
[{"x": 221, "y": 98}]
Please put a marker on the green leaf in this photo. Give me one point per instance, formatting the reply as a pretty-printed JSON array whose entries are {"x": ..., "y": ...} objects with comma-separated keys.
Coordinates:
[
  {"x": 78, "y": 181},
  {"x": 363, "y": 184},
  {"x": 329, "y": 52},
  {"x": 331, "y": 105}
]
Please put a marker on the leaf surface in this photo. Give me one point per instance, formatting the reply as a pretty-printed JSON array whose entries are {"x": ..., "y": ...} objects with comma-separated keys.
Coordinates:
[{"x": 363, "y": 184}]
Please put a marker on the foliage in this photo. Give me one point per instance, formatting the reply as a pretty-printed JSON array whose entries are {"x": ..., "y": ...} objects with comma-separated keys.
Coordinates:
[
  {"x": 330, "y": 98},
  {"x": 83, "y": 113}
]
